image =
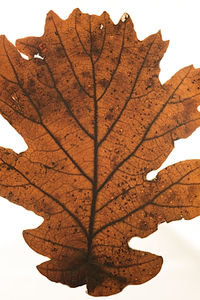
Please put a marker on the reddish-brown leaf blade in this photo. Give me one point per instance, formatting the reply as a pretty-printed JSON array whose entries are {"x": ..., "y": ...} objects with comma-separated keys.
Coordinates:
[{"x": 96, "y": 120}]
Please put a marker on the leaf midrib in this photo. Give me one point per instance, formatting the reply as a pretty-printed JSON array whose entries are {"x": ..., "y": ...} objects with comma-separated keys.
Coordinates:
[{"x": 95, "y": 159}]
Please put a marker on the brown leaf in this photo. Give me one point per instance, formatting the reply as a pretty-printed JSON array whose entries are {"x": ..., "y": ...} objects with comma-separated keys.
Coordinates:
[{"x": 96, "y": 120}]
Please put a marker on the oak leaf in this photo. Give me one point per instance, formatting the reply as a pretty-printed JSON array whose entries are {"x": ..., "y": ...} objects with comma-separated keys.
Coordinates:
[{"x": 96, "y": 119}]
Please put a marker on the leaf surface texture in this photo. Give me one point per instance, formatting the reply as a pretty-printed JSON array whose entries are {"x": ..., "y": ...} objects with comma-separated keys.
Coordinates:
[{"x": 96, "y": 120}]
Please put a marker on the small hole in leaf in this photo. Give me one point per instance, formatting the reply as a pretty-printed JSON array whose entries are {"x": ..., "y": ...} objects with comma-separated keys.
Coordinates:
[
  {"x": 13, "y": 98},
  {"x": 38, "y": 56},
  {"x": 101, "y": 26},
  {"x": 198, "y": 108},
  {"x": 24, "y": 56},
  {"x": 124, "y": 17}
]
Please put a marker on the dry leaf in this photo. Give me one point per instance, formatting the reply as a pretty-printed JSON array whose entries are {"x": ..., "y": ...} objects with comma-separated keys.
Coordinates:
[{"x": 96, "y": 120}]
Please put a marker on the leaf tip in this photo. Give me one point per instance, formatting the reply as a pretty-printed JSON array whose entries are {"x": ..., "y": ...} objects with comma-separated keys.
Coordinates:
[
  {"x": 192, "y": 67},
  {"x": 105, "y": 13},
  {"x": 76, "y": 10},
  {"x": 3, "y": 38},
  {"x": 159, "y": 33},
  {"x": 124, "y": 17},
  {"x": 52, "y": 15}
]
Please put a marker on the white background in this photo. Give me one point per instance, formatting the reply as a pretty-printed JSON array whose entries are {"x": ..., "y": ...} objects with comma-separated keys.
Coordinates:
[{"x": 178, "y": 242}]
